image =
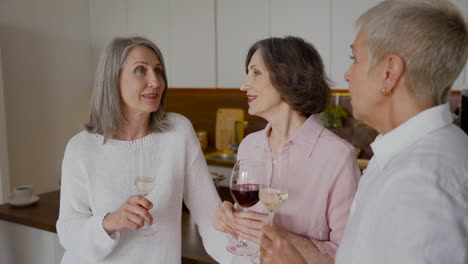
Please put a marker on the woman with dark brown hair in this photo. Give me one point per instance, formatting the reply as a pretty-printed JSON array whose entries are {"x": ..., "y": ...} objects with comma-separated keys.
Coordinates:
[{"x": 286, "y": 84}]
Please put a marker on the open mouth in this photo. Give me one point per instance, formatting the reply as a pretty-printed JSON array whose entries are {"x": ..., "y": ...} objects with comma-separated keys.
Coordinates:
[
  {"x": 150, "y": 96},
  {"x": 250, "y": 98}
]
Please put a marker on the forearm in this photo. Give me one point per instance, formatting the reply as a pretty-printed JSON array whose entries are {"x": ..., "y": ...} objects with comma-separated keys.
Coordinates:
[
  {"x": 85, "y": 236},
  {"x": 308, "y": 249}
]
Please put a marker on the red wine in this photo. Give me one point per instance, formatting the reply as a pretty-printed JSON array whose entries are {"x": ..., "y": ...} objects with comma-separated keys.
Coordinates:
[{"x": 246, "y": 195}]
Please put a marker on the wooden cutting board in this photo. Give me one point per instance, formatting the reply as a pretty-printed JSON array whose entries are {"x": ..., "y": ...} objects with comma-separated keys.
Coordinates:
[{"x": 225, "y": 122}]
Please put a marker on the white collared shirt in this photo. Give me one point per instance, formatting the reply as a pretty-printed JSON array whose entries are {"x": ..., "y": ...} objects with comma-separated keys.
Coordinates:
[{"x": 412, "y": 201}]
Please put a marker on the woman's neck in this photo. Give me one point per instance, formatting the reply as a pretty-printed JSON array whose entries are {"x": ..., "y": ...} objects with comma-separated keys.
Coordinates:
[
  {"x": 133, "y": 128},
  {"x": 283, "y": 126}
]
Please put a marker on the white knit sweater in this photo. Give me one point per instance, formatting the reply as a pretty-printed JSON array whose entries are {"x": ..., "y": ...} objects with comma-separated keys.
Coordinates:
[{"x": 98, "y": 178}]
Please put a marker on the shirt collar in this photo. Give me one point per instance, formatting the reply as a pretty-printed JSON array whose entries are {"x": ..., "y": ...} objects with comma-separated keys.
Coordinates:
[
  {"x": 306, "y": 135},
  {"x": 385, "y": 147}
]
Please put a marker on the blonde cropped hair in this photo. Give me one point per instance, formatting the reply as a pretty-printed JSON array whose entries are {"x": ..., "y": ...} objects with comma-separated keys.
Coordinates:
[
  {"x": 431, "y": 37},
  {"x": 106, "y": 109}
]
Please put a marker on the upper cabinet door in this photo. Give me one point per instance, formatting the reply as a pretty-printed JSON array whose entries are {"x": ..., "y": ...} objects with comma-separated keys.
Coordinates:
[
  {"x": 462, "y": 80},
  {"x": 239, "y": 24},
  {"x": 192, "y": 43},
  {"x": 310, "y": 20},
  {"x": 150, "y": 19},
  {"x": 108, "y": 19},
  {"x": 344, "y": 14}
]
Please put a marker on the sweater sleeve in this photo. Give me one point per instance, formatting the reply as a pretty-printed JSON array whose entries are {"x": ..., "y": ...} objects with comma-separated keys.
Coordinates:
[
  {"x": 201, "y": 198},
  {"x": 80, "y": 231}
]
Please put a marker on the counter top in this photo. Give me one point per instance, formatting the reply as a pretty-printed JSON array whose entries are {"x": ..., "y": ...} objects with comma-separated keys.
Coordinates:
[{"x": 44, "y": 215}]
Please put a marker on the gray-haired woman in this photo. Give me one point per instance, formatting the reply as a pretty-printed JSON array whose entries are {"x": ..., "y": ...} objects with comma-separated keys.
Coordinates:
[{"x": 100, "y": 212}]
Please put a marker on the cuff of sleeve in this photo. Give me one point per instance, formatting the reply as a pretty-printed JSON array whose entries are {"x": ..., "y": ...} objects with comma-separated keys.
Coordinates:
[
  {"x": 326, "y": 247},
  {"x": 104, "y": 241}
]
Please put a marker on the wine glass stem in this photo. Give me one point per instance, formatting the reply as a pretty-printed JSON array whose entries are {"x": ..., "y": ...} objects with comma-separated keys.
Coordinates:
[
  {"x": 241, "y": 241},
  {"x": 145, "y": 226},
  {"x": 271, "y": 216}
]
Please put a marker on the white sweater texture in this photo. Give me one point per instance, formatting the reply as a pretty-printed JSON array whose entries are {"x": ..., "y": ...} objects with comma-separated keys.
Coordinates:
[{"x": 98, "y": 178}]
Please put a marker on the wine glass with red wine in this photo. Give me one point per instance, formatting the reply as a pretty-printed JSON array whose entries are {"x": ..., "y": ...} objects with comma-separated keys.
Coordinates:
[{"x": 245, "y": 184}]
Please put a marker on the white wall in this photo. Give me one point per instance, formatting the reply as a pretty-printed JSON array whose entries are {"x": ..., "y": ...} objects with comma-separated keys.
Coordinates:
[{"x": 47, "y": 79}]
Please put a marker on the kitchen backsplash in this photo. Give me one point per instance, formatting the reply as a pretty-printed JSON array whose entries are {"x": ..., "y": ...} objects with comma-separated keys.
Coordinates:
[{"x": 200, "y": 106}]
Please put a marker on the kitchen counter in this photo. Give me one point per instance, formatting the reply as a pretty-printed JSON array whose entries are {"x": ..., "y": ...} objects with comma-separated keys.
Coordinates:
[{"x": 44, "y": 215}]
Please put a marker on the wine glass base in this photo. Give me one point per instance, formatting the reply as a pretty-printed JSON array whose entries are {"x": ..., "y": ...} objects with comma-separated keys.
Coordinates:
[
  {"x": 255, "y": 258},
  {"x": 148, "y": 231},
  {"x": 242, "y": 249}
]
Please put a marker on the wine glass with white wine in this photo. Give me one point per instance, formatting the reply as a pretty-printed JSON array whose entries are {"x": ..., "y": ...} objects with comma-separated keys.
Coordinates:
[
  {"x": 145, "y": 182},
  {"x": 274, "y": 194}
]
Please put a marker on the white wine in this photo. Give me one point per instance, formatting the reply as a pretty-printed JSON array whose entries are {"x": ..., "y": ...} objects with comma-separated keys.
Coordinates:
[
  {"x": 273, "y": 199},
  {"x": 144, "y": 184}
]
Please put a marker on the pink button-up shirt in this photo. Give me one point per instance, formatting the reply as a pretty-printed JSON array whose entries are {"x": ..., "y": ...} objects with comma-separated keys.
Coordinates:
[{"x": 321, "y": 182}]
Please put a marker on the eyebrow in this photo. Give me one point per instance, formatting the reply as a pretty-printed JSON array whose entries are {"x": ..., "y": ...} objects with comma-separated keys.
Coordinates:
[
  {"x": 253, "y": 65},
  {"x": 146, "y": 63}
]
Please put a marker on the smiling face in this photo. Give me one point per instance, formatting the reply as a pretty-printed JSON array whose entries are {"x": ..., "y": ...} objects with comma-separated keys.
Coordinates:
[
  {"x": 141, "y": 82},
  {"x": 364, "y": 85},
  {"x": 263, "y": 98}
]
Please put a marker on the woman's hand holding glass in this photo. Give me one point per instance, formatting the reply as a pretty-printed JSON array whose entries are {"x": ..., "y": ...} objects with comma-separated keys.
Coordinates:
[
  {"x": 246, "y": 178},
  {"x": 249, "y": 225},
  {"x": 131, "y": 215},
  {"x": 224, "y": 220},
  {"x": 276, "y": 247}
]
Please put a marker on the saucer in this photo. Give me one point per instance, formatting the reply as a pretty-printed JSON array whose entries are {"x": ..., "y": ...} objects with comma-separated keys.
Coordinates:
[{"x": 34, "y": 199}]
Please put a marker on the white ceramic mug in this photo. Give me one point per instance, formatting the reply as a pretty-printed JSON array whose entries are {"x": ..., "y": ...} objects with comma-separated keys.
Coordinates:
[{"x": 23, "y": 193}]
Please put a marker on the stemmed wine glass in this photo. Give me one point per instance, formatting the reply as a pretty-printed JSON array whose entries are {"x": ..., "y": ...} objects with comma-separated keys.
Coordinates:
[
  {"x": 246, "y": 178},
  {"x": 144, "y": 182},
  {"x": 274, "y": 193}
]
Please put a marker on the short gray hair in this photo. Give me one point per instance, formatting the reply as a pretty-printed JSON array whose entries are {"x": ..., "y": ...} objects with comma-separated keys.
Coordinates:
[
  {"x": 431, "y": 37},
  {"x": 106, "y": 110}
]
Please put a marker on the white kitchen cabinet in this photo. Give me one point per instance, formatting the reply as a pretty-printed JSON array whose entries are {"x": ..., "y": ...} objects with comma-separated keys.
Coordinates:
[
  {"x": 183, "y": 30},
  {"x": 192, "y": 43},
  {"x": 310, "y": 20},
  {"x": 462, "y": 80},
  {"x": 108, "y": 19},
  {"x": 344, "y": 14},
  {"x": 466, "y": 78},
  {"x": 205, "y": 42},
  {"x": 239, "y": 24},
  {"x": 150, "y": 19},
  {"x": 26, "y": 245}
]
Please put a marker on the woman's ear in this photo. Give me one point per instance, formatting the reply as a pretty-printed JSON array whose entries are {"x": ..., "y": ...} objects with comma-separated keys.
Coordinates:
[{"x": 394, "y": 68}]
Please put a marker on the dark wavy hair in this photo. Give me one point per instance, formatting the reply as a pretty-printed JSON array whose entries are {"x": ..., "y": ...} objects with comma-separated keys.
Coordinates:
[{"x": 296, "y": 71}]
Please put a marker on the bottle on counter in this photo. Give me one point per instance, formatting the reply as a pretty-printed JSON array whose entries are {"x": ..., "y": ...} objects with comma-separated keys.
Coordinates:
[{"x": 203, "y": 137}]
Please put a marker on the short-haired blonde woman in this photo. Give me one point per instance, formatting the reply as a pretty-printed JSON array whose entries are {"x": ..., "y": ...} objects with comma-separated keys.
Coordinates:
[
  {"x": 412, "y": 202},
  {"x": 100, "y": 212},
  {"x": 286, "y": 84}
]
